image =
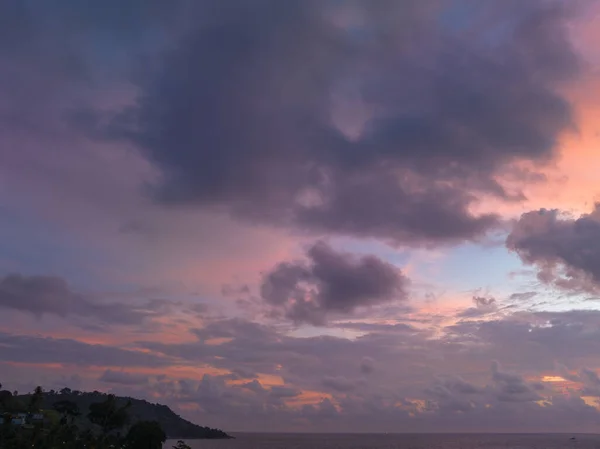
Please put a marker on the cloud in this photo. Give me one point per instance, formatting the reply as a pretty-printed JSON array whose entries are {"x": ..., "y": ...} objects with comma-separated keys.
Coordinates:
[
  {"x": 283, "y": 392},
  {"x": 387, "y": 120},
  {"x": 352, "y": 128},
  {"x": 591, "y": 382},
  {"x": 367, "y": 365},
  {"x": 523, "y": 296},
  {"x": 123, "y": 378},
  {"x": 530, "y": 343},
  {"x": 588, "y": 379},
  {"x": 453, "y": 394},
  {"x": 285, "y": 371},
  {"x": 565, "y": 250},
  {"x": 512, "y": 387},
  {"x": 483, "y": 306},
  {"x": 339, "y": 383},
  {"x": 254, "y": 386},
  {"x": 331, "y": 282},
  {"x": 44, "y": 350},
  {"x": 41, "y": 295}
]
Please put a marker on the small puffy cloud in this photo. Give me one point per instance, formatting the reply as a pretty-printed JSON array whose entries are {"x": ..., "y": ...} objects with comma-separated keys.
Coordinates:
[
  {"x": 483, "y": 306},
  {"x": 331, "y": 282}
]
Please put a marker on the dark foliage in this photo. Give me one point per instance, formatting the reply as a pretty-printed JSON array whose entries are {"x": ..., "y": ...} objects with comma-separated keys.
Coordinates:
[
  {"x": 75, "y": 420},
  {"x": 145, "y": 435}
]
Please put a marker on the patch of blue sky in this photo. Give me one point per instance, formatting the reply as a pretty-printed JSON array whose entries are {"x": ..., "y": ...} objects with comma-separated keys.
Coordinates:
[
  {"x": 472, "y": 266},
  {"x": 465, "y": 267}
]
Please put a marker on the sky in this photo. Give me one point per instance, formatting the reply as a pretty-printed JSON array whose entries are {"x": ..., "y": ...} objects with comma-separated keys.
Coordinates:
[{"x": 306, "y": 215}]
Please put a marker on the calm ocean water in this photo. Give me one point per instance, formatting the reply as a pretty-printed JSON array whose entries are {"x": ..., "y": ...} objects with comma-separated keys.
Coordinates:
[{"x": 398, "y": 441}]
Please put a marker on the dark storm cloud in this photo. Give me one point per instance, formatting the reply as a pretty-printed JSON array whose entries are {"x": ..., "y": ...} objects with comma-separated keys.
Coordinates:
[
  {"x": 388, "y": 126},
  {"x": 565, "y": 250},
  {"x": 331, "y": 282},
  {"x": 41, "y": 295}
]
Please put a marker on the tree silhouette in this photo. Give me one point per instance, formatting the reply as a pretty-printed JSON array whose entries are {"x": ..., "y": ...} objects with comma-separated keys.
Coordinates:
[
  {"x": 68, "y": 409},
  {"x": 5, "y": 397},
  {"x": 35, "y": 400},
  {"x": 108, "y": 415},
  {"x": 145, "y": 435},
  {"x": 101, "y": 429}
]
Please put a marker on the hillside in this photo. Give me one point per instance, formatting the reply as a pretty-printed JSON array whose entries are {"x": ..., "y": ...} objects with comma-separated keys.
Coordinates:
[{"x": 174, "y": 426}]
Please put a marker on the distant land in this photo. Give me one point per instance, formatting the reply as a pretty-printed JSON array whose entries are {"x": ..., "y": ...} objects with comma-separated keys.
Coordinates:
[{"x": 174, "y": 425}]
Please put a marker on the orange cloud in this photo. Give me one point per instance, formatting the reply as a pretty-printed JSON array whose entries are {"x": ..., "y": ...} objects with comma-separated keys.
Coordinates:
[
  {"x": 572, "y": 179},
  {"x": 309, "y": 397},
  {"x": 592, "y": 401}
]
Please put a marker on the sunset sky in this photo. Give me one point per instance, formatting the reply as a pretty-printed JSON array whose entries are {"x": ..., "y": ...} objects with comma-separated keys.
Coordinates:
[{"x": 306, "y": 215}]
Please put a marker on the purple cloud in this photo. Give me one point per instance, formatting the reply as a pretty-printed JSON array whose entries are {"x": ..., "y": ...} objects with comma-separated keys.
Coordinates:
[
  {"x": 123, "y": 378},
  {"x": 40, "y": 295},
  {"x": 331, "y": 282},
  {"x": 339, "y": 383},
  {"x": 565, "y": 250},
  {"x": 229, "y": 127},
  {"x": 483, "y": 306},
  {"x": 191, "y": 147}
]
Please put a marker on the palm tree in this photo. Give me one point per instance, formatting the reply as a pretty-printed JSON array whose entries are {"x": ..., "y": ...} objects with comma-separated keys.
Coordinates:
[{"x": 36, "y": 399}]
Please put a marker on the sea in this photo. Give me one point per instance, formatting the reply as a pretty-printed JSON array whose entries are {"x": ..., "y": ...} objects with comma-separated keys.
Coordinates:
[{"x": 398, "y": 441}]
